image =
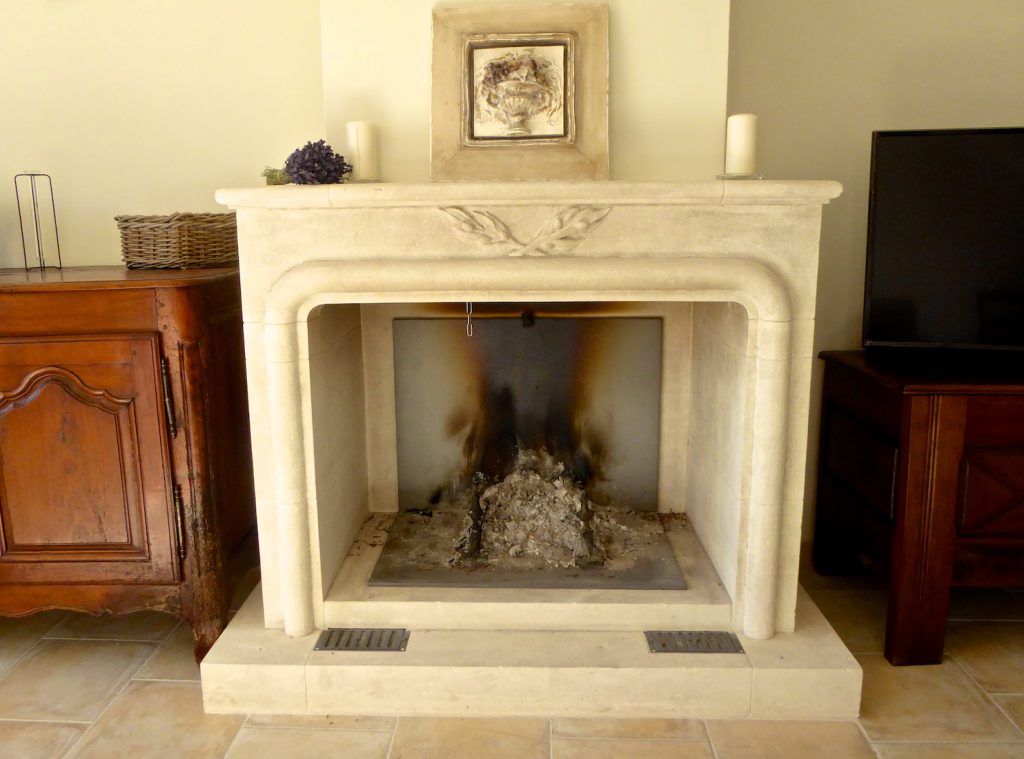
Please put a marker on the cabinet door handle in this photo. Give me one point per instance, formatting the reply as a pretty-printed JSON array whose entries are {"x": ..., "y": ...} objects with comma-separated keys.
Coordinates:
[
  {"x": 179, "y": 521},
  {"x": 165, "y": 378}
]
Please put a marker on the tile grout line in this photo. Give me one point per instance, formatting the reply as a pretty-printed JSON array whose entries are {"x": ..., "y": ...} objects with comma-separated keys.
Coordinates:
[
  {"x": 867, "y": 738},
  {"x": 178, "y": 622},
  {"x": 127, "y": 682},
  {"x": 76, "y": 723},
  {"x": 987, "y": 697},
  {"x": 88, "y": 725},
  {"x": 305, "y": 679},
  {"x": 152, "y": 655},
  {"x": 711, "y": 743},
  {"x": 952, "y": 742},
  {"x": 18, "y": 659},
  {"x": 707, "y": 734},
  {"x": 1006, "y": 714},
  {"x": 42, "y": 636},
  {"x": 234, "y": 738},
  {"x": 157, "y": 642},
  {"x": 391, "y": 743},
  {"x": 248, "y": 724},
  {"x": 645, "y": 738}
]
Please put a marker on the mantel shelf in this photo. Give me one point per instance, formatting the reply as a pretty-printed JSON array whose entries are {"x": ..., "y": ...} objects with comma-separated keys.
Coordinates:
[{"x": 383, "y": 194}]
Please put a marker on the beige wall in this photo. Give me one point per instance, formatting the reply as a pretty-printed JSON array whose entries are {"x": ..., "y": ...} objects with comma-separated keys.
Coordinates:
[
  {"x": 144, "y": 106},
  {"x": 148, "y": 106},
  {"x": 822, "y": 74},
  {"x": 667, "y": 79}
]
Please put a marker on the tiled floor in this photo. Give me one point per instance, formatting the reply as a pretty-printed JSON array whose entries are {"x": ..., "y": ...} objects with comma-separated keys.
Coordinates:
[{"x": 73, "y": 685}]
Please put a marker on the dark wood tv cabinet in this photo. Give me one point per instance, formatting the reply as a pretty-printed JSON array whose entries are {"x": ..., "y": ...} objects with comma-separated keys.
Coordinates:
[
  {"x": 125, "y": 466},
  {"x": 921, "y": 471}
]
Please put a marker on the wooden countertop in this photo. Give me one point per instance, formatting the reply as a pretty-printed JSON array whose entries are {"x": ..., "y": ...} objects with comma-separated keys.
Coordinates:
[
  {"x": 106, "y": 277},
  {"x": 916, "y": 371}
]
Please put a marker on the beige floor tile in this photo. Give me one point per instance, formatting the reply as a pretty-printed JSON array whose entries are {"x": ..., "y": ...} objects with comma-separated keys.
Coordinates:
[
  {"x": 752, "y": 739},
  {"x": 991, "y": 652},
  {"x": 950, "y": 750},
  {"x": 174, "y": 659},
  {"x": 142, "y": 625},
  {"x": 321, "y": 721},
  {"x": 69, "y": 680},
  {"x": 18, "y": 635},
  {"x": 811, "y": 580},
  {"x": 986, "y": 604},
  {"x": 1013, "y": 706},
  {"x": 158, "y": 719},
  {"x": 680, "y": 729},
  {"x": 430, "y": 738},
  {"x": 602, "y": 748},
  {"x": 36, "y": 740},
  {"x": 857, "y": 616},
  {"x": 304, "y": 743},
  {"x": 933, "y": 703}
]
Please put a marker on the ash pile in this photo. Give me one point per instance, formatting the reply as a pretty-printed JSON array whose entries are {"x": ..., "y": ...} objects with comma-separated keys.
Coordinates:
[{"x": 536, "y": 512}]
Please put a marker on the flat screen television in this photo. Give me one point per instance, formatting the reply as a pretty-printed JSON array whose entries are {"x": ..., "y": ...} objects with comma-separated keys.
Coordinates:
[{"x": 945, "y": 251}]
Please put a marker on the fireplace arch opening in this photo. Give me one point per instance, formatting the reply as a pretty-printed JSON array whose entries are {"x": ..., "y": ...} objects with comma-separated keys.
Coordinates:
[{"x": 643, "y": 406}]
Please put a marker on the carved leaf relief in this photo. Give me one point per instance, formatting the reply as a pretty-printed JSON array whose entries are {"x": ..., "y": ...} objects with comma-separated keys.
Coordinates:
[
  {"x": 560, "y": 235},
  {"x": 482, "y": 226}
]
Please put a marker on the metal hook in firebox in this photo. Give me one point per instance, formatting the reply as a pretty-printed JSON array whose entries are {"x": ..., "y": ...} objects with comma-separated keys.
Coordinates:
[{"x": 469, "y": 319}]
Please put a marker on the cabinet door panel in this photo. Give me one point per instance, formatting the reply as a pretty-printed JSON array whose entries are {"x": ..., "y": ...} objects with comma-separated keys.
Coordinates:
[
  {"x": 83, "y": 473},
  {"x": 992, "y": 493},
  {"x": 42, "y": 480}
]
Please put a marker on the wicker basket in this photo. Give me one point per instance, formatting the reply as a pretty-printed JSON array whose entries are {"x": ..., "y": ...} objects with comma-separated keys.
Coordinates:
[{"x": 178, "y": 241}]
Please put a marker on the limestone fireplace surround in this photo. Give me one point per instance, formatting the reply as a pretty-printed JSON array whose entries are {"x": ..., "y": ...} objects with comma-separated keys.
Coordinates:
[{"x": 732, "y": 269}]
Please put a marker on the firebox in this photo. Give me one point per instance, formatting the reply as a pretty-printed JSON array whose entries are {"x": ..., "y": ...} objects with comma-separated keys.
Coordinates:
[
  {"x": 537, "y": 446},
  {"x": 430, "y": 365},
  {"x": 528, "y": 439}
]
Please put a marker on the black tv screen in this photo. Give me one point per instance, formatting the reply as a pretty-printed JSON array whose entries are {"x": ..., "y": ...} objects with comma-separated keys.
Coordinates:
[{"x": 945, "y": 254}]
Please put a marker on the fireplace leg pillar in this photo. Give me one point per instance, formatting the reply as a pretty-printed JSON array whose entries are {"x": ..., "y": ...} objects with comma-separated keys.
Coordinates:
[
  {"x": 767, "y": 482},
  {"x": 287, "y": 444}
]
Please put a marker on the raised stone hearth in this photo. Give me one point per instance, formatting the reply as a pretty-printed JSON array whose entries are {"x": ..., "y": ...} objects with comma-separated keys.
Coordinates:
[{"x": 729, "y": 269}]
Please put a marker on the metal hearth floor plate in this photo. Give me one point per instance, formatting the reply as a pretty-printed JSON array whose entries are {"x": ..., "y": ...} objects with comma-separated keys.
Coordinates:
[
  {"x": 418, "y": 546},
  {"x": 362, "y": 639},
  {"x": 692, "y": 642}
]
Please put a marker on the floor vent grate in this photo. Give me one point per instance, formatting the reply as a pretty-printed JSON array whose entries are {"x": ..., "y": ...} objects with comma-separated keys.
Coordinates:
[
  {"x": 363, "y": 639},
  {"x": 692, "y": 642}
]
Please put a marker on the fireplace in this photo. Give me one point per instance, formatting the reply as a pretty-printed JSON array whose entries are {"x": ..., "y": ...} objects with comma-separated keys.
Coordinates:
[{"x": 359, "y": 411}]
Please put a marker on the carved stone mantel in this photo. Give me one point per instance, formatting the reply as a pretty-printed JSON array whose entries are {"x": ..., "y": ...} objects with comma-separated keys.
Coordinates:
[{"x": 751, "y": 243}]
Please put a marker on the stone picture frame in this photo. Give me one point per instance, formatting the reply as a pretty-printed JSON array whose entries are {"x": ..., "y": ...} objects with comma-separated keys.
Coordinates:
[{"x": 520, "y": 93}]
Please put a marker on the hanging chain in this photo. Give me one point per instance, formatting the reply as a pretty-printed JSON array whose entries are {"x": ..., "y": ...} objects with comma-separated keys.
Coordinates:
[{"x": 469, "y": 319}]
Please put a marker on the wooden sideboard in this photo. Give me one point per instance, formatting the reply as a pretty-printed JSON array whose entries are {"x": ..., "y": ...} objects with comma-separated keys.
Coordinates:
[
  {"x": 125, "y": 466},
  {"x": 921, "y": 471}
]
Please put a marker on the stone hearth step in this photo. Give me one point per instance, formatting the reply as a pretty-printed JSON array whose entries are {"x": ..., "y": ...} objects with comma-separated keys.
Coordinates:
[
  {"x": 532, "y": 673},
  {"x": 352, "y": 602}
]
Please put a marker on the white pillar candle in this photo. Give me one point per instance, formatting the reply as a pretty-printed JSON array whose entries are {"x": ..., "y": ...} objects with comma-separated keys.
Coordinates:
[
  {"x": 362, "y": 148},
  {"x": 741, "y": 144}
]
